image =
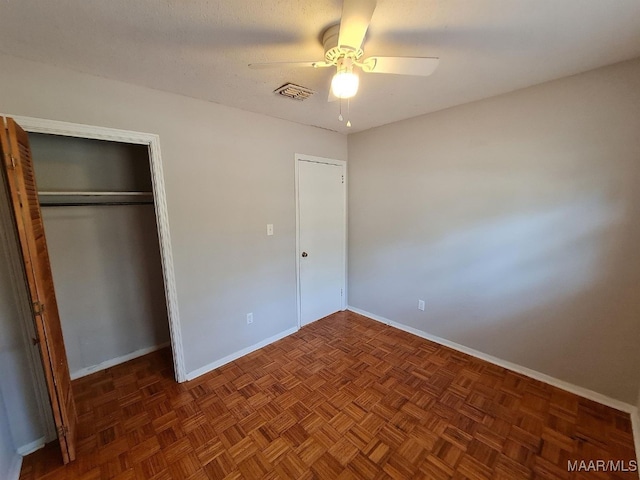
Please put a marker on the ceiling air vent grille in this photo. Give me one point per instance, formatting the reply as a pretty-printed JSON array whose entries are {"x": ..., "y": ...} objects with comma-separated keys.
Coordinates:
[{"x": 293, "y": 91}]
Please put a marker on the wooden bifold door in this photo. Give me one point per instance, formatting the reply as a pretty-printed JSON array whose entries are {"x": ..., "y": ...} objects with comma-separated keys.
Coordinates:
[{"x": 21, "y": 184}]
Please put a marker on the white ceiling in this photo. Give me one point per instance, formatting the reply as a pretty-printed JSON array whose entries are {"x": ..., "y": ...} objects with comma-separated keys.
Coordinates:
[{"x": 201, "y": 48}]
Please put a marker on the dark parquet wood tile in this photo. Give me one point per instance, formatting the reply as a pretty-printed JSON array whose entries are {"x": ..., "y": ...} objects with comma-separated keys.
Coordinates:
[{"x": 344, "y": 398}]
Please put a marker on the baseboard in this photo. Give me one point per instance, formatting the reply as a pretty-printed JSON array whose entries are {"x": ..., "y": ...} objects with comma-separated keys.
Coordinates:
[
  {"x": 543, "y": 377},
  {"x": 115, "y": 361},
  {"x": 239, "y": 353},
  {"x": 31, "y": 447}
]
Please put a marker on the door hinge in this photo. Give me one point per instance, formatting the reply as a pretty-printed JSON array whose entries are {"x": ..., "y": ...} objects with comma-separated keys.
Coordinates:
[
  {"x": 342, "y": 178},
  {"x": 38, "y": 308},
  {"x": 341, "y": 293},
  {"x": 63, "y": 431}
]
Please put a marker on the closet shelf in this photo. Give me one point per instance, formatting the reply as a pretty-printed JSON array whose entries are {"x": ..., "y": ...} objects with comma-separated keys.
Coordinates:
[{"x": 95, "y": 198}]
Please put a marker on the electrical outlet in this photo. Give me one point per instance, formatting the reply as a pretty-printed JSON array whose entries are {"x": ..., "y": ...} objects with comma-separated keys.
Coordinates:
[
  {"x": 421, "y": 305},
  {"x": 269, "y": 229},
  {"x": 249, "y": 318}
]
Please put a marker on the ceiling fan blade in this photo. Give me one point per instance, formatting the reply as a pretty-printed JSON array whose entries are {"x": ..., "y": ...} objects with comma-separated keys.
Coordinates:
[
  {"x": 356, "y": 16},
  {"x": 258, "y": 66},
  {"x": 419, "y": 66}
]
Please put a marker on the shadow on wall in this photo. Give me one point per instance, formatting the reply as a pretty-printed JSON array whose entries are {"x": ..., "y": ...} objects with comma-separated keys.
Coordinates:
[
  {"x": 547, "y": 281},
  {"x": 522, "y": 262}
]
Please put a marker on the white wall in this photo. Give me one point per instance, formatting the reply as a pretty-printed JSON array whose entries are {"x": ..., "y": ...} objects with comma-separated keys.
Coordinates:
[
  {"x": 516, "y": 219},
  {"x": 228, "y": 173}
]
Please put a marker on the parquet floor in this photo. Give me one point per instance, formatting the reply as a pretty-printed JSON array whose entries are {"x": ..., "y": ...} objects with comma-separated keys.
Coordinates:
[{"x": 344, "y": 398}]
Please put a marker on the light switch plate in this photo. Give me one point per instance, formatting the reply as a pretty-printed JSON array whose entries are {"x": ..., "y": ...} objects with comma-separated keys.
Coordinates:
[{"x": 269, "y": 229}]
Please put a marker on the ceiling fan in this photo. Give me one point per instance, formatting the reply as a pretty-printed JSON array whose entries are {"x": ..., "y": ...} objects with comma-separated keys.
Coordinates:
[{"x": 343, "y": 49}]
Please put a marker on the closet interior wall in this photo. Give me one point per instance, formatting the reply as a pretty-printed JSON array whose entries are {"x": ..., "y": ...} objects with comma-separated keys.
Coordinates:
[{"x": 104, "y": 249}]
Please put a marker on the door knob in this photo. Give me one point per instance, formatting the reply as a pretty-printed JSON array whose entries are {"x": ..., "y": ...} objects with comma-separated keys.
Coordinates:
[{"x": 305, "y": 254}]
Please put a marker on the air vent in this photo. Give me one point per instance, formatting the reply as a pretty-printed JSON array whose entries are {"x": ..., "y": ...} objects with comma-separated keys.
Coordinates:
[{"x": 293, "y": 91}]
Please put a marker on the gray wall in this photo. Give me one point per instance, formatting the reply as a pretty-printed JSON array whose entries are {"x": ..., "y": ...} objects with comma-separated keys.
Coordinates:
[
  {"x": 105, "y": 259},
  {"x": 228, "y": 173},
  {"x": 79, "y": 164},
  {"x": 17, "y": 387},
  {"x": 636, "y": 431},
  {"x": 108, "y": 277},
  {"x": 516, "y": 219},
  {"x": 15, "y": 377},
  {"x": 7, "y": 450}
]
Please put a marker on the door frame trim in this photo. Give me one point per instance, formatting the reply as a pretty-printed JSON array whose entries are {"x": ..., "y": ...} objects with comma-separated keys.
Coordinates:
[
  {"x": 152, "y": 141},
  {"x": 299, "y": 157}
]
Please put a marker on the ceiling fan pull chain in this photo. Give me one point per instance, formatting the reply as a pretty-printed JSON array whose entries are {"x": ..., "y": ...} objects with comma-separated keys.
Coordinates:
[
  {"x": 348, "y": 113},
  {"x": 340, "y": 117}
]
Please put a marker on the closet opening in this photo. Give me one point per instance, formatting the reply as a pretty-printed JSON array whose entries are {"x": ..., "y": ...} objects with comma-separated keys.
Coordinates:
[{"x": 99, "y": 216}]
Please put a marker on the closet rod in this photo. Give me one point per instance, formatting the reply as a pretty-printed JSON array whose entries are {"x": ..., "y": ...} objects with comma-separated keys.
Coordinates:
[{"x": 91, "y": 204}]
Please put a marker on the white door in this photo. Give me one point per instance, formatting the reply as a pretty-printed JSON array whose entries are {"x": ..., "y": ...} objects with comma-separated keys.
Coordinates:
[{"x": 321, "y": 230}]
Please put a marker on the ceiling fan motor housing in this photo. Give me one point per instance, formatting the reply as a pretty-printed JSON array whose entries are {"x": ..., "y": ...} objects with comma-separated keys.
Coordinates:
[{"x": 334, "y": 52}]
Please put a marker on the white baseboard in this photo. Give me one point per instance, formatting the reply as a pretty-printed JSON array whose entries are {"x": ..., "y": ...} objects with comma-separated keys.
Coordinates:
[
  {"x": 569, "y": 387},
  {"x": 14, "y": 468},
  {"x": 31, "y": 447},
  {"x": 239, "y": 353},
  {"x": 83, "y": 372}
]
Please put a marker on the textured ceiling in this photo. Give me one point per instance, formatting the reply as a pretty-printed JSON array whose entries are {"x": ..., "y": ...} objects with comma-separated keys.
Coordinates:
[{"x": 201, "y": 48}]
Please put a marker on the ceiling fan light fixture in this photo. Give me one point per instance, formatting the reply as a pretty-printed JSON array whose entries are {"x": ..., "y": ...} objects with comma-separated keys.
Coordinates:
[{"x": 344, "y": 83}]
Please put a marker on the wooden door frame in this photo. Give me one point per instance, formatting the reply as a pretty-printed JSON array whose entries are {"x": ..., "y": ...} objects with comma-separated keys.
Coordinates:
[
  {"x": 152, "y": 141},
  {"x": 299, "y": 157}
]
